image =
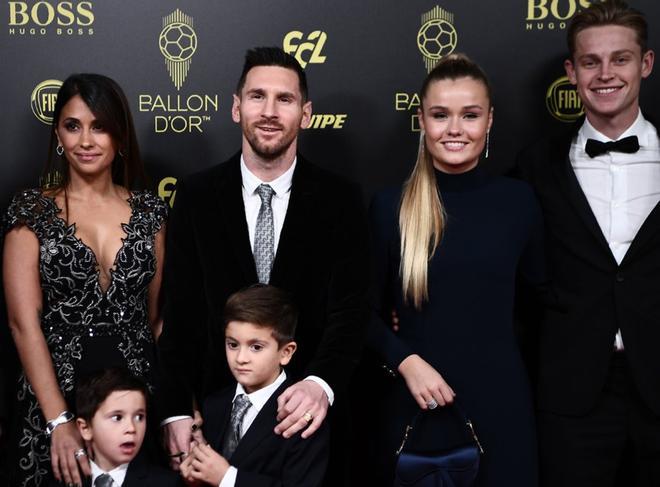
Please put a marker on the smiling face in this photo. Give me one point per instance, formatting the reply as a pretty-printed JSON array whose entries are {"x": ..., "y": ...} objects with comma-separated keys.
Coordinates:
[
  {"x": 607, "y": 69},
  {"x": 455, "y": 116},
  {"x": 117, "y": 429},
  {"x": 253, "y": 354},
  {"x": 88, "y": 147},
  {"x": 271, "y": 112}
]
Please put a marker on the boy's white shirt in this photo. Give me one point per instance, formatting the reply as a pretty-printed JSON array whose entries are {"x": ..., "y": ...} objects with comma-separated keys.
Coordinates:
[{"x": 257, "y": 400}]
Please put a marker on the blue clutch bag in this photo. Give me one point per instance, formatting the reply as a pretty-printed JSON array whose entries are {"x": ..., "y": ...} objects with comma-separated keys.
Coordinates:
[{"x": 452, "y": 467}]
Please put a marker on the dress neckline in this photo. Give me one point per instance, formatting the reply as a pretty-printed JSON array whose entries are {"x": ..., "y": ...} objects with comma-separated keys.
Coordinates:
[{"x": 465, "y": 181}]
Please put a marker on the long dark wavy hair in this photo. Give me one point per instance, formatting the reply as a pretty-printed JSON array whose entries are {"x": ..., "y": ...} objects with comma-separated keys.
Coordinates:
[{"x": 106, "y": 100}]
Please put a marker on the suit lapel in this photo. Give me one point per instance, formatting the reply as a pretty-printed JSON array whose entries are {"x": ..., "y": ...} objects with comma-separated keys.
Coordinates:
[
  {"x": 569, "y": 184},
  {"x": 296, "y": 224},
  {"x": 648, "y": 228},
  {"x": 261, "y": 427},
  {"x": 229, "y": 187},
  {"x": 135, "y": 475}
]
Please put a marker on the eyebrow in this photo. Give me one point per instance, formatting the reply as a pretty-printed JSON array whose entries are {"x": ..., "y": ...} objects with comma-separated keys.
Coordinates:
[
  {"x": 466, "y": 107},
  {"x": 261, "y": 91}
]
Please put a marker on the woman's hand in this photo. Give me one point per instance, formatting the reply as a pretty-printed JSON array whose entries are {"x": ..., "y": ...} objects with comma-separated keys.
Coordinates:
[
  {"x": 64, "y": 443},
  {"x": 425, "y": 383}
]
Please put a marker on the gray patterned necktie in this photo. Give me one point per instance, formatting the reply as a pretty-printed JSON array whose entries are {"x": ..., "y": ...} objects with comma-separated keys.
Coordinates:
[
  {"x": 264, "y": 235},
  {"x": 233, "y": 436},
  {"x": 103, "y": 480}
]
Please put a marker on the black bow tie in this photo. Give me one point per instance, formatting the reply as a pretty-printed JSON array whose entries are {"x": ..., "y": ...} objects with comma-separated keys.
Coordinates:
[{"x": 629, "y": 145}]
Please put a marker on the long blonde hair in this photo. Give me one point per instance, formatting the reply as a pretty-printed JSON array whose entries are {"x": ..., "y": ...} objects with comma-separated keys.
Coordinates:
[{"x": 422, "y": 216}]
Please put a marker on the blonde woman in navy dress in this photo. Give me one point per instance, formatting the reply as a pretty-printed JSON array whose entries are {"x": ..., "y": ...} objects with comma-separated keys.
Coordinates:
[
  {"x": 448, "y": 247},
  {"x": 81, "y": 270}
]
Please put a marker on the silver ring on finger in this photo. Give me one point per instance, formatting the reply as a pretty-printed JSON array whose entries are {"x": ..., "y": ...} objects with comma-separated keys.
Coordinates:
[
  {"x": 432, "y": 403},
  {"x": 80, "y": 452}
]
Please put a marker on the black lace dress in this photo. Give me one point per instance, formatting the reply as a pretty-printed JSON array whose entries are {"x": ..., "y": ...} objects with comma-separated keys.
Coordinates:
[{"x": 86, "y": 327}]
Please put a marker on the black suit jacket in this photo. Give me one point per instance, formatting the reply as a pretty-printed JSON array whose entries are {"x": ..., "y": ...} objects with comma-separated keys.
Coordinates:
[
  {"x": 594, "y": 295},
  {"x": 262, "y": 457},
  {"x": 141, "y": 474},
  {"x": 322, "y": 260}
]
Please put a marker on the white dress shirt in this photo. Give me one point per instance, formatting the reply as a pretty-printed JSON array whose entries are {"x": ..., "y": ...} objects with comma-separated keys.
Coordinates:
[
  {"x": 622, "y": 189},
  {"x": 118, "y": 474},
  {"x": 279, "y": 204},
  {"x": 257, "y": 399}
]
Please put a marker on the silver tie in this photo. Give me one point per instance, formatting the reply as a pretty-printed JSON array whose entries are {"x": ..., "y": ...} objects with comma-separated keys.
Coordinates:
[
  {"x": 233, "y": 436},
  {"x": 264, "y": 235},
  {"x": 103, "y": 480}
]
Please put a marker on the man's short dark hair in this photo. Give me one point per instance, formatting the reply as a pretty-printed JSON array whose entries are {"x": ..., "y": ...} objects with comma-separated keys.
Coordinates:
[
  {"x": 272, "y": 56},
  {"x": 92, "y": 390},
  {"x": 612, "y": 12},
  {"x": 264, "y": 306}
]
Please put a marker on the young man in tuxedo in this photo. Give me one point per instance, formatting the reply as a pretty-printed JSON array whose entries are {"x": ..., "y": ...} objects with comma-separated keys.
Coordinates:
[
  {"x": 112, "y": 419},
  {"x": 239, "y": 421},
  {"x": 599, "y": 187},
  {"x": 266, "y": 215}
]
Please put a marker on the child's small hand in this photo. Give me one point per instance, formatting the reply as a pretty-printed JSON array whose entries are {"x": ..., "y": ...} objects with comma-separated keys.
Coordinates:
[
  {"x": 206, "y": 465},
  {"x": 186, "y": 472}
]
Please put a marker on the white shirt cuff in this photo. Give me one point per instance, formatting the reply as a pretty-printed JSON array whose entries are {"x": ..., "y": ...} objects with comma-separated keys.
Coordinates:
[
  {"x": 229, "y": 480},
  {"x": 325, "y": 386},
  {"x": 172, "y": 419}
]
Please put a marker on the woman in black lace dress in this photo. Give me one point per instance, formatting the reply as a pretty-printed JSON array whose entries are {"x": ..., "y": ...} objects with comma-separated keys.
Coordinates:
[{"x": 82, "y": 271}]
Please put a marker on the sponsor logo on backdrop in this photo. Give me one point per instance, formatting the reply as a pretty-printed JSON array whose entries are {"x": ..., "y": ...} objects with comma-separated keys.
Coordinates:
[
  {"x": 178, "y": 43},
  {"x": 181, "y": 112},
  {"x": 40, "y": 18},
  {"x": 563, "y": 101},
  {"x": 307, "y": 50},
  {"x": 43, "y": 98},
  {"x": 328, "y": 121},
  {"x": 437, "y": 36},
  {"x": 167, "y": 190},
  {"x": 552, "y": 14}
]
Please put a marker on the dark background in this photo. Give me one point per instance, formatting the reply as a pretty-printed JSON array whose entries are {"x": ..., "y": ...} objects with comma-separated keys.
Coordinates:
[{"x": 371, "y": 54}]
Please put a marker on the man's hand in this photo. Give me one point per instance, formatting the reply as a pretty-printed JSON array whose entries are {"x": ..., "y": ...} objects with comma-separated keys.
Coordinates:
[
  {"x": 302, "y": 405},
  {"x": 204, "y": 464},
  {"x": 177, "y": 437}
]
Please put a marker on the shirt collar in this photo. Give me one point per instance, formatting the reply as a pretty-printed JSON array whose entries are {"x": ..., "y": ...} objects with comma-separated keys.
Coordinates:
[
  {"x": 640, "y": 127},
  {"x": 118, "y": 474},
  {"x": 260, "y": 397},
  {"x": 281, "y": 185}
]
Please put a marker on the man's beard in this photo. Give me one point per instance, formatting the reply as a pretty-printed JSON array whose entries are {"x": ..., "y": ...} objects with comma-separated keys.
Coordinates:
[{"x": 264, "y": 151}]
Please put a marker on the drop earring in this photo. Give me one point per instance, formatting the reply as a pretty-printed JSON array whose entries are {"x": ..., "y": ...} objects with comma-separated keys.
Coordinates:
[
  {"x": 59, "y": 149},
  {"x": 487, "y": 144}
]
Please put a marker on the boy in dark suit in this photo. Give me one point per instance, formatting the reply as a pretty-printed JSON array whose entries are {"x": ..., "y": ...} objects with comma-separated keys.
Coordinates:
[
  {"x": 240, "y": 420},
  {"x": 112, "y": 419}
]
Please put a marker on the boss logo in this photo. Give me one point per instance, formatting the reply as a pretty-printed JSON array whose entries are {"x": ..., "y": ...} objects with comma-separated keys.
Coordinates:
[{"x": 42, "y": 14}]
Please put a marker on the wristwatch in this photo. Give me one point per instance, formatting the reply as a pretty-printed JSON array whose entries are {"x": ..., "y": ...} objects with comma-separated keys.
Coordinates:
[{"x": 64, "y": 417}]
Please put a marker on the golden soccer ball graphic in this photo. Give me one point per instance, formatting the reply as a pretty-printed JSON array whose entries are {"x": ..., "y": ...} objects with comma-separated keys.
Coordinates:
[
  {"x": 177, "y": 41},
  {"x": 436, "y": 38}
]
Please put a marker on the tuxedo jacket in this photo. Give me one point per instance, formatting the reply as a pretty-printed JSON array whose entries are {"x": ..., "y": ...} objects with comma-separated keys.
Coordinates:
[
  {"x": 322, "y": 260},
  {"x": 594, "y": 295},
  {"x": 141, "y": 474},
  {"x": 262, "y": 457}
]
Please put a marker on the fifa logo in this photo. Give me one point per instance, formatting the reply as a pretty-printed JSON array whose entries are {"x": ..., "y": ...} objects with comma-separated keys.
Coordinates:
[
  {"x": 314, "y": 45},
  {"x": 178, "y": 43},
  {"x": 43, "y": 98},
  {"x": 437, "y": 36},
  {"x": 563, "y": 101}
]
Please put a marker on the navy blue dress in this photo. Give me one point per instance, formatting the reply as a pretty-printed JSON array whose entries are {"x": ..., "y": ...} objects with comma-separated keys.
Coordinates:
[{"x": 465, "y": 331}]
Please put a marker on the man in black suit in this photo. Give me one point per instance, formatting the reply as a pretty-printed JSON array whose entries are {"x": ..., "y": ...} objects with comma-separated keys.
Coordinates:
[
  {"x": 266, "y": 215},
  {"x": 599, "y": 187}
]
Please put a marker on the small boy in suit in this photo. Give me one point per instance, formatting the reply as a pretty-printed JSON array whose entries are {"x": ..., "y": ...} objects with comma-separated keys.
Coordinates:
[
  {"x": 112, "y": 419},
  {"x": 239, "y": 421}
]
